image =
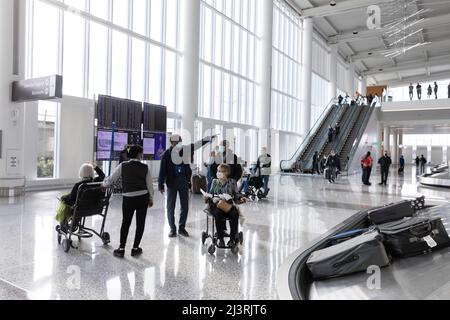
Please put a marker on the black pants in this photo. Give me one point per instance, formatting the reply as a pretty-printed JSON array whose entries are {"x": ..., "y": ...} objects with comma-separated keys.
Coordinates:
[
  {"x": 422, "y": 168},
  {"x": 182, "y": 188},
  {"x": 129, "y": 206},
  {"x": 419, "y": 94},
  {"x": 366, "y": 175},
  {"x": 384, "y": 175},
  {"x": 316, "y": 168},
  {"x": 221, "y": 220}
]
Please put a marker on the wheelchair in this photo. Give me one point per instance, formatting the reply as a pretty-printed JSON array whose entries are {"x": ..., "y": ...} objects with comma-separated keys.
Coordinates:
[
  {"x": 211, "y": 225},
  {"x": 91, "y": 201}
]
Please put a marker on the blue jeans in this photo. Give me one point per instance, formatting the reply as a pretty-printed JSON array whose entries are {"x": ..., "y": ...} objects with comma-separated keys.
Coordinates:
[
  {"x": 209, "y": 178},
  {"x": 182, "y": 188},
  {"x": 266, "y": 184}
]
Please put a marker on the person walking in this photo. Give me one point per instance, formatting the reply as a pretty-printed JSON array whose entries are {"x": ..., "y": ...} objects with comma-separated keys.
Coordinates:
[
  {"x": 436, "y": 88},
  {"x": 264, "y": 165},
  {"x": 137, "y": 195},
  {"x": 411, "y": 91},
  {"x": 367, "y": 164},
  {"x": 401, "y": 170},
  {"x": 175, "y": 172},
  {"x": 316, "y": 163},
  {"x": 331, "y": 165},
  {"x": 337, "y": 130},
  {"x": 429, "y": 91},
  {"x": 419, "y": 91},
  {"x": 385, "y": 163},
  {"x": 340, "y": 99},
  {"x": 423, "y": 163}
]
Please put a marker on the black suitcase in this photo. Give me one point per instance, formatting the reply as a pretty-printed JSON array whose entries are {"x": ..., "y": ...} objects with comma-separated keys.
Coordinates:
[
  {"x": 414, "y": 236},
  {"x": 354, "y": 255},
  {"x": 391, "y": 212}
]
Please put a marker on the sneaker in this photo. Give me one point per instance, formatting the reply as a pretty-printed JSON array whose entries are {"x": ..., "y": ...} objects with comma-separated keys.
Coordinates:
[
  {"x": 183, "y": 233},
  {"x": 136, "y": 252},
  {"x": 173, "y": 234},
  {"x": 119, "y": 253}
]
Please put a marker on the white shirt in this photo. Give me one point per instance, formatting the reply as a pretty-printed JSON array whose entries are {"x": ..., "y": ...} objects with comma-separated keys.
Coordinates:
[{"x": 117, "y": 175}]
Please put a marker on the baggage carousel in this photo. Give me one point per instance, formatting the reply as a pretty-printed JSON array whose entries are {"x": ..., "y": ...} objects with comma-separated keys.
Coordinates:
[
  {"x": 418, "y": 278},
  {"x": 439, "y": 177}
]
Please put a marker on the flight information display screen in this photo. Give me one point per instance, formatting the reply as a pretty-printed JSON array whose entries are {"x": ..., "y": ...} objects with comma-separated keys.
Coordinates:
[
  {"x": 127, "y": 114},
  {"x": 155, "y": 118}
]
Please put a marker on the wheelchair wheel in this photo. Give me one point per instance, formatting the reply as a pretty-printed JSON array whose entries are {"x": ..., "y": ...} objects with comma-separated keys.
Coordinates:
[
  {"x": 66, "y": 244},
  {"x": 241, "y": 238},
  {"x": 106, "y": 238},
  {"x": 204, "y": 237},
  {"x": 235, "y": 249},
  {"x": 212, "y": 249},
  {"x": 59, "y": 238}
]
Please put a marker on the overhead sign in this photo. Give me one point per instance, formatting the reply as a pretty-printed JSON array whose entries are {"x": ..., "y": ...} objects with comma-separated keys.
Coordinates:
[{"x": 37, "y": 89}]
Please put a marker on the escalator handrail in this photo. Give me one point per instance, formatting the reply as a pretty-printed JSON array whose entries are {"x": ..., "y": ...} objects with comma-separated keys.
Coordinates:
[
  {"x": 307, "y": 163},
  {"x": 341, "y": 143},
  {"x": 360, "y": 134},
  {"x": 310, "y": 134}
]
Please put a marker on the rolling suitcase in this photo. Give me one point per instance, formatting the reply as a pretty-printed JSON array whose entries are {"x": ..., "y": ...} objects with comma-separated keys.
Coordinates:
[
  {"x": 348, "y": 257},
  {"x": 390, "y": 212},
  {"x": 414, "y": 236},
  {"x": 198, "y": 183}
]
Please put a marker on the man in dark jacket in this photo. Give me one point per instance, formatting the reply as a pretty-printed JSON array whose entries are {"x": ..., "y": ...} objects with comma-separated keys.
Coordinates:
[
  {"x": 330, "y": 134},
  {"x": 176, "y": 173},
  {"x": 385, "y": 163},
  {"x": 331, "y": 166},
  {"x": 227, "y": 156},
  {"x": 423, "y": 163},
  {"x": 316, "y": 163}
]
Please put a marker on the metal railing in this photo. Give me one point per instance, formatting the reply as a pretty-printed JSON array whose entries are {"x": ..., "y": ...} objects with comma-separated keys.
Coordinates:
[{"x": 286, "y": 165}]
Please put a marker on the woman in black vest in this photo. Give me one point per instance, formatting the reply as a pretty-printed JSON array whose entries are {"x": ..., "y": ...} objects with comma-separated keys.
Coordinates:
[{"x": 137, "y": 197}]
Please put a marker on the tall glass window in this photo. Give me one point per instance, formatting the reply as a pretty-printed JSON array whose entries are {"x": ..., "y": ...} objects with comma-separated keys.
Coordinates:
[
  {"x": 286, "y": 68},
  {"x": 228, "y": 79},
  {"x": 47, "y": 115}
]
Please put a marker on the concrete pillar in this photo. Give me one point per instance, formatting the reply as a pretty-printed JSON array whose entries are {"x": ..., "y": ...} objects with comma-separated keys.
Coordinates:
[
  {"x": 400, "y": 143},
  {"x": 265, "y": 89},
  {"x": 364, "y": 87},
  {"x": 386, "y": 140},
  {"x": 12, "y": 62},
  {"x": 351, "y": 89},
  {"x": 307, "y": 75},
  {"x": 395, "y": 147},
  {"x": 333, "y": 70},
  {"x": 190, "y": 44}
]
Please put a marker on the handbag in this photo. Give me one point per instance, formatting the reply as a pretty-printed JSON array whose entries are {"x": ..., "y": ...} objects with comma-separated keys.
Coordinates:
[
  {"x": 63, "y": 212},
  {"x": 224, "y": 206}
]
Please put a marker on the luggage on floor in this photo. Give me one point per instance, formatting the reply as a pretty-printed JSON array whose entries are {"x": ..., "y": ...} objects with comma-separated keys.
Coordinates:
[
  {"x": 391, "y": 212},
  {"x": 348, "y": 257},
  {"x": 342, "y": 237},
  {"x": 198, "y": 183},
  {"x": 414, "y": 236},
  {"x": 401, "y": 170}
]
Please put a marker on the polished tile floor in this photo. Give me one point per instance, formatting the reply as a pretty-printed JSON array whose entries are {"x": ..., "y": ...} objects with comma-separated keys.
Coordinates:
[{"x": 299, "y": 210}]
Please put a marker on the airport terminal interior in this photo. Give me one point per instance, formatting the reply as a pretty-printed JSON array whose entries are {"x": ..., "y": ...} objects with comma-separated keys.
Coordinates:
[{"x": 258, "y": 149}]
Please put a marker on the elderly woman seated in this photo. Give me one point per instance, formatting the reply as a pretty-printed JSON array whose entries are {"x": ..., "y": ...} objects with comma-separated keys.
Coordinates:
[
  {"x": 221, "y": 206},
  {"x": 87, "y": 174}
]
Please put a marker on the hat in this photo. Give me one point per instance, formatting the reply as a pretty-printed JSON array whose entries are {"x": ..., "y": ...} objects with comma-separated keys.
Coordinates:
[{"x": 175, "y": 138}]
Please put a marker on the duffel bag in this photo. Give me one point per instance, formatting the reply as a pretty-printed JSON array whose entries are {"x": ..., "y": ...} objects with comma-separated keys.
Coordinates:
[{"x": 354, "y": 255}]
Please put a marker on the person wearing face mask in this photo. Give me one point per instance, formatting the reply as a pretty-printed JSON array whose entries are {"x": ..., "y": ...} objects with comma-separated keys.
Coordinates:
[
  {"x": 264, "y": 165},
  {"x": 176, "y": 173},
  {"x": 227, "y": 156},
  {"x": 137, "y": 197},
  {"x": 331, "y": 165},
  {"x": 385, "y": 163}
]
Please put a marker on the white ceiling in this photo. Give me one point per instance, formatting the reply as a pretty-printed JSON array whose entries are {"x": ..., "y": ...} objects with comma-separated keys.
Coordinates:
[{"x": 338, "y": 24}]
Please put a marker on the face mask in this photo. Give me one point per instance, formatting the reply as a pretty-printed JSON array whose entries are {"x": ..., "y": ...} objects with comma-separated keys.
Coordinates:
[{"x": 220, "y": 175}]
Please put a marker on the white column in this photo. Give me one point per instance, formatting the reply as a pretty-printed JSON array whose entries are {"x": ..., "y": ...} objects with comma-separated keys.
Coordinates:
[
  {"x": 364, "y": 87},
  {"x": 265, "y": 89},
  {"x": 333, "y": 70},
  {"x": 11, "y": 120},
  {"x": 190, "y": 44},
  {"x": 395, "y": 147},
  {"x": 386, "y": 140},
  {"x": 307, "y": 75},
  {"x": 351, "y": 89}
]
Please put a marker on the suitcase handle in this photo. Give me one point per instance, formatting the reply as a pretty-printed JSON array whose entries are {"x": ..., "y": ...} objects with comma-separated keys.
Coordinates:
[{"x": 420, "y": 230}]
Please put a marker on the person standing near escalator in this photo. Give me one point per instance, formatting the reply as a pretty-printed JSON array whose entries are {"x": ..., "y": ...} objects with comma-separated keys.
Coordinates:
[{"x": 367, "y": 164}]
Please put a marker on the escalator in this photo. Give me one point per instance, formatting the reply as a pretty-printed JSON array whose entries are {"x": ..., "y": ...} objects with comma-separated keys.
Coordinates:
[{"x": 315, "y": 138}]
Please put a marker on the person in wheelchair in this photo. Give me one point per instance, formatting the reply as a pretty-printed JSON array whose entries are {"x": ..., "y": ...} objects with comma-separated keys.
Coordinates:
[
  {"x": 88, "y": 173},
  {"x": 253, "y": 183},
  {"x": 224, "y": 209}
]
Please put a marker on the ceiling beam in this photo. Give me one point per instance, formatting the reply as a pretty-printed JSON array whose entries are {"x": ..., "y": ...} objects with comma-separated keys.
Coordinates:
[
  {"x": 364, "y": 33},
  {"x": 378, "y": 53},
  {"x": 340, "y": 7},
  {"x": 410, "y": 65}
]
